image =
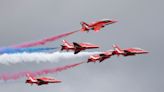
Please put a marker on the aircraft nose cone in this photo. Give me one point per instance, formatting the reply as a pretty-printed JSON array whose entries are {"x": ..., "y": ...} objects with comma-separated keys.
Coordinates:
[
  {"x": 114, "y": 21},
  {"x": 59, "y": 81},
  {"x": 97, "y": 46},
  {"x": 146, "y": 51}
]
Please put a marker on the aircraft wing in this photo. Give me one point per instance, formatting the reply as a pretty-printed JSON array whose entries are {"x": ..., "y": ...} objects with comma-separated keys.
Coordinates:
[
  {"x": 105, "y": 55},
  {"x": 76, "y": 45},
  {"x": 77, "y": 51},
  {"x": 102, "y": 59},
  {"x": 97, "y": 28},
  {"x": 102, "y": 55},
  {"x": 99, "y": 25},
  {"x": 41, "y": 80}
]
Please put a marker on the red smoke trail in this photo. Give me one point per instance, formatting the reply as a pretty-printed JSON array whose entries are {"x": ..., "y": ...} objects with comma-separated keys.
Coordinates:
[
  {"x": 43, "y": 41},
  {"x": 36, "y": 73}
]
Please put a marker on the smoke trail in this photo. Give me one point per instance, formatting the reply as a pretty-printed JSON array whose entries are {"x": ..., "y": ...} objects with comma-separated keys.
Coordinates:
[
  {"x": 41, "y": 57},
  {"x": 21, "y": 50},
  {"x": 16, "y": 76},
  {"x": 43, "y": 41}
]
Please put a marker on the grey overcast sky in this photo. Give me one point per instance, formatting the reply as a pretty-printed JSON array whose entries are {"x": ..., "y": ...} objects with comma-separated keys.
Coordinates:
[{"x": 140, "y": 25}]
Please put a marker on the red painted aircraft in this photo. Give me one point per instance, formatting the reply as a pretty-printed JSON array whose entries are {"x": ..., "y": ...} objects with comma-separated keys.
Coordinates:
[
  {"x": 41, "y": 81},
  {"x": 127, "y": 52},
  {"x": 77, "y": 47},
  {"x": 96, "y": 26},
  {"x": 100, "y": 57}
]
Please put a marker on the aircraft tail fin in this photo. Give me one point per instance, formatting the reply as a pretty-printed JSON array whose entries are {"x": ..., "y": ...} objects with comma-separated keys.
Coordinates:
[
  {"x": 83, "y": 23},
  {"x": 30, "y": 77},
  {"x": 85, "y": 26},
  {"x": 117, "y": 49},
  {"x": 66, "y": 43}
]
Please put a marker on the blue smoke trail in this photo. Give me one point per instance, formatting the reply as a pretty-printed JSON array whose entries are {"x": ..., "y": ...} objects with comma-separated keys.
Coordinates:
[{"x": 21, "y": 50}]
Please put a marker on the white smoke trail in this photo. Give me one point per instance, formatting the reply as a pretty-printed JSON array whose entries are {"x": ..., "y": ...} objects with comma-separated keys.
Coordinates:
[{"x": 8, "y": 59}]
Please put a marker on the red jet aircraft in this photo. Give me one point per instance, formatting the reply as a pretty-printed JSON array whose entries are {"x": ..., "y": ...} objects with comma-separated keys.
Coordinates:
[
  {"x": 100, "y": 57},
  {"x": 96, "y": 26},
  {"x": 127, "y": 52},
  {"x": 41, "y": 81},
  {"x": 77, "y": 47}
]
